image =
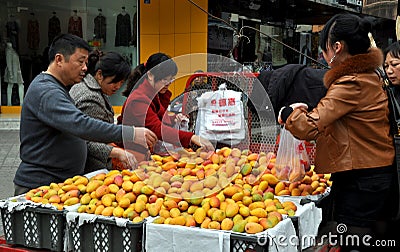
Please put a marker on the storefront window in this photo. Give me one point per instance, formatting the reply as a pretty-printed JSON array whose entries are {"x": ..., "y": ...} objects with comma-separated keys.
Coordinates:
[{"x": 30, "y": 26}]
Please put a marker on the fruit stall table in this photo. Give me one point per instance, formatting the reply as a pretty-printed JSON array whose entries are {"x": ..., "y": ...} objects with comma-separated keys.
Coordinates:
[
  {"x": 229, "y": 197},
  {"x": 178, "y": 238}
]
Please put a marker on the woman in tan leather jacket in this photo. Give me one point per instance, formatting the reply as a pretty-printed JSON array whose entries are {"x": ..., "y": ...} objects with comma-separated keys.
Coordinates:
[{"x": 351, "y": 128}]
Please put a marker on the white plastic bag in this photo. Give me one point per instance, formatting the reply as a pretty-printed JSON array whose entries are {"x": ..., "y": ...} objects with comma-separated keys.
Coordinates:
[
  {"x": 220, "y": 116},
  {"x": 291, "y": 159}
]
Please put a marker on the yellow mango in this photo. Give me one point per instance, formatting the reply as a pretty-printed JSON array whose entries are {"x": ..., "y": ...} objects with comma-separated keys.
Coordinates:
[
  {"x": 159, "y": 220},
  {"x": 253, "y": 228},
  {"x": 50, "y": 193},
  {"x": 214, "y": 225},
  {"x": 137, "y": 219},
  {"x": 227, "y": 224},
  {"x": 118, "y": 211},
  {"x": 199, "y": 215},
  {"x": 205, "y": 223},
  {"x": 140, "y": 206},
  {"x": 252, "y": 218},
  {"x": 108, "y": 211},
  {"x": 85, "y": 199},
  {"x": 81, "y": 180},
  {"x": 55, "y": 199},
  {"x": 71, "y": 201},
  {"x": 239, "y": 226},
  {"x": 124, "y": 202},
  {"x": 91, "y": 208},
  {"x": 218, "y": 215},
  {"x": 107, "y": 200},
  {"x": 258, "y": 204},
  {"x": 271, "y": 179},
  {"x": 70, "y": 187},
  {"x": 244, "y": 211},
  {"x": 99, "y": 209},
  {"x": 259, "y": 212},
  {"x": 231, "y": 210},
  {"x": 82, "y": 209},
  {"x": 179, "y": 220}
]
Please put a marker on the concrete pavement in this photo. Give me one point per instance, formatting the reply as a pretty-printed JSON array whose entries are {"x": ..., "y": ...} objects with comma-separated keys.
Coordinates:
[{"x": 9, "y": 162}]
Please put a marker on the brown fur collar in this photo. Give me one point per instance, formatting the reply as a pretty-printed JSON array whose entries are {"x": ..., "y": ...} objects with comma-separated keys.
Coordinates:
[{"x": 360, "y": 63}]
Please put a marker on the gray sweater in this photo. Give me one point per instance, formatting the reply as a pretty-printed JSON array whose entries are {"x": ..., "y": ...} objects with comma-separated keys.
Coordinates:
[
  {"x": 90, "y": 100},
  {"x": 53, "y": 133}
]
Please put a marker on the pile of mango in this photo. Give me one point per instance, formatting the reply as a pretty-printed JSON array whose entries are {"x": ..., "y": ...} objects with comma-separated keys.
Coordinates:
[
  {"x": 229, "y": 189},
  {"x": 59, "y": 195}
]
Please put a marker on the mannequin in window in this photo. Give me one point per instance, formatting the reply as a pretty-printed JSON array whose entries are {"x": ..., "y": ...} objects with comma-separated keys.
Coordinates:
[
  {"x": 13, "y": 31},
  {"x": 54, "y": 28},
  {"x": 100, "y": 26},
  {"x": 33, "y": 36},
  {"x": 134, "y": 29},
  {"x": 75, "y": 24},
  {"x": 13, "y": 74},
  {"x": 123, "y": 29}
]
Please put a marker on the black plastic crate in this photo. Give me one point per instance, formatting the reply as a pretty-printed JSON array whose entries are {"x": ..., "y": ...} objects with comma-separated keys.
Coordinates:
[
  {"x": 105, "y": 235},
  {"x": 34, "y": 227},
  {"x": 243, "y": 243}
]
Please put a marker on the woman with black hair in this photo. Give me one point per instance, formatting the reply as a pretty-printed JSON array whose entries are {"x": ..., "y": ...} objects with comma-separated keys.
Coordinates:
[
  {"x": 148, "y": 100},
  {"x": 105, "y": 76},
  {"x": 351, "y": 127}
]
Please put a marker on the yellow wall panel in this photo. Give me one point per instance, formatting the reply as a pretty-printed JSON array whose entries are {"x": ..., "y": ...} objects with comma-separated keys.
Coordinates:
[
  {"x": 197, "y": 44},
  {"x": 175, "y": 27},
  {"x": 183, "y": 63},
  {"x": 198, "y": 61},
  {"x": 167, "y": 17},
  {"x": 182, "y": 16},
  {"x": 149, "y": 21},
  {"x": 149, "y": 44},
  {"x": 198, "y": 18},
  {"x": 167, "y": 44},
  {"x": 182, "y": 44}
]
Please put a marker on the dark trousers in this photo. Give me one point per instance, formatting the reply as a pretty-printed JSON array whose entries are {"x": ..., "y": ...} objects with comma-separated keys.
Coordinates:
[{"x": 18, "y": 190}]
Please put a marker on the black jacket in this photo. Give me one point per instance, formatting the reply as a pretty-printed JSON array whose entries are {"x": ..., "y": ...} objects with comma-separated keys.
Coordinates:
[{"x": 292, "y": 83}]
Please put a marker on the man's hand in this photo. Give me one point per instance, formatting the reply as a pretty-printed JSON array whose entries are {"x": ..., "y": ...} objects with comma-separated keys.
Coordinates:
[
  {"x": 127, "y": 159},
  {"x": 145, "y": 137}
]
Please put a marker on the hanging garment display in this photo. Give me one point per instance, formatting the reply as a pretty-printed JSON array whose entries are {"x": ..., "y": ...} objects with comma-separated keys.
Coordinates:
[
  {"x": 134, "y": 29},
  {"x": 54, "y": 28},
  {"x": 75, "y": 25},
  {"x": 12, "y": 33},
  {"x": 33, "y": 36},
  {"x": 123, "y": 30},
  {"x": 100, "y": 27}
]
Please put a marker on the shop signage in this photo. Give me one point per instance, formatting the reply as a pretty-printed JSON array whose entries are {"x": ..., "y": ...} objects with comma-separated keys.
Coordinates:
[{"x": 351, "y": 2}]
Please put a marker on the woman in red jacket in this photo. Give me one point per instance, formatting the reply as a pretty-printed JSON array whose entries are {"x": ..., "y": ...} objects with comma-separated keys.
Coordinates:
[{"x": 148, "y": 101}]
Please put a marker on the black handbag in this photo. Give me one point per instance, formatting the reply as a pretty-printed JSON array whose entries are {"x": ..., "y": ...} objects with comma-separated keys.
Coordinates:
[{"x": 394, "y": 118}]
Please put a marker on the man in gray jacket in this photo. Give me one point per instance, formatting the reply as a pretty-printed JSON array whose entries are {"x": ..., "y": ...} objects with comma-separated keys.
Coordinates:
[{"x": 53, "y": 131}]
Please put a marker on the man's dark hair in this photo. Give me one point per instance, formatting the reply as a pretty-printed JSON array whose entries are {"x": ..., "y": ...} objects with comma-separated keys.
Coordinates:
[{"x": 66, "y": 44}]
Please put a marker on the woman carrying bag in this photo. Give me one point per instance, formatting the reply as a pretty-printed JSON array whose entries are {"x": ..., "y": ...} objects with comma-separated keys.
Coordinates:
[{"x": 352, "y": 131}]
